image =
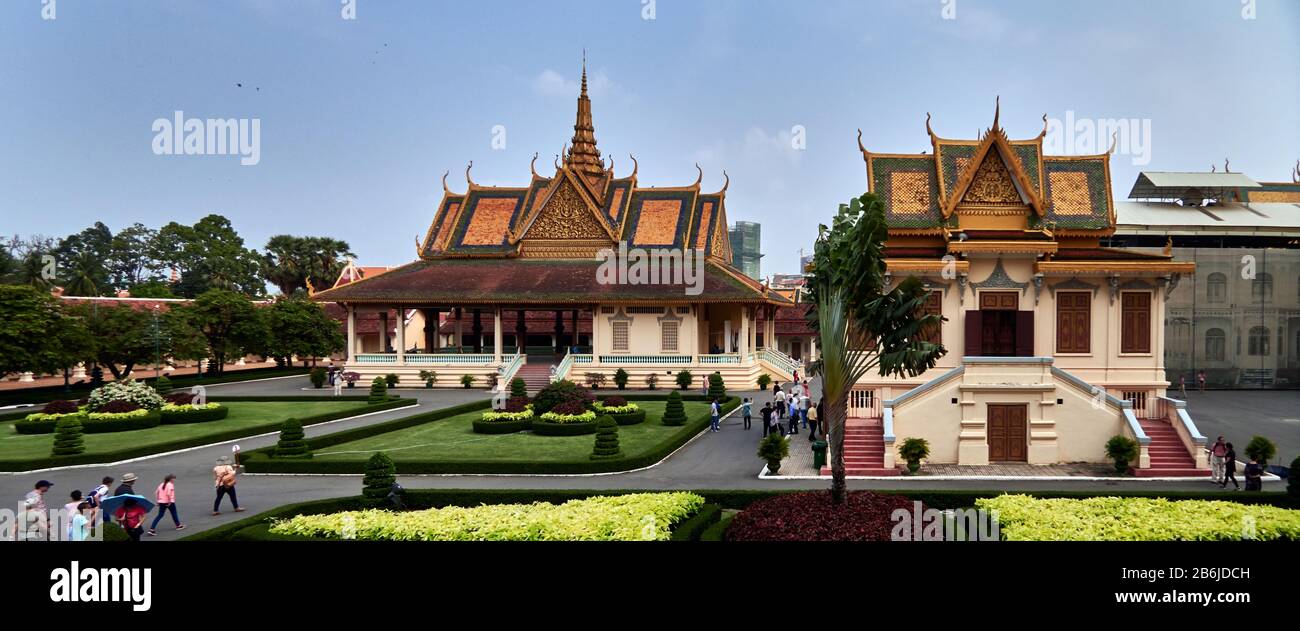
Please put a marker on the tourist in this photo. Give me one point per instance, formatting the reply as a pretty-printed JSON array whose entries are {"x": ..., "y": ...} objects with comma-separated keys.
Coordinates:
[
  {"x": 795, "y": 375},
  {"x": 337, "y": 383},
  {"x": 1230, "y": 468},
  {"x": 776, "y": 387},
  {"x": 780, "y": 403},
  {"x": 223, "y": 476},
  {"x": 131, "y": 515},
  {"x": 803, "y": 410},
  {"x": 127, "y": 487},
  {"x": 744, "y": 412},
  {"x": 79, "y": 524},
  {"x": 1182, "y": 385},
  {"x": 1200, "y": 380},
  {"x": 38, "y": 494},
  {"x": 715, "y": 415},
  {"x": 807, "y": 391},
  {"x": 1217, "y": 450},
  {"x": 165, "y": 494},
  {"x": 98, "y": 494},
  {"x": 1254, "y": 476},
  {"x": 70, "y": 510},
  {"x": 811, "y": 414},
  {"x": 768, "y": 425},
  {"x": 794, "y": 412},
  {"x": 32, "y": 522}
]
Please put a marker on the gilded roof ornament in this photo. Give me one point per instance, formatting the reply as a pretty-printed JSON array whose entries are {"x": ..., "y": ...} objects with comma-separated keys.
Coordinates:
[
  {"x": 726, "y": 182},
  {"x": 635, "y": 165},
  {"x": 445, "y": 189},
  {"x": 864, "y": 149},
  {"x": 1044, "y": 132},
  {"x": 701, "y": 176},
  {"x": 532, "y": 166},
  {"x": 467, "y": 179},
  {"x": 997, "y": 111},
  {"x": 1296, "y": 178},
  {"x": 1225, "y": 165},
  {"x": 928, "y": 130},
  {"x": 1114, "y": 140}
]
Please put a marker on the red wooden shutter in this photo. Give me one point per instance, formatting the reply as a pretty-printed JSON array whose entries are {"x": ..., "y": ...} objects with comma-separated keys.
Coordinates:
[
  {"x": 974, "y": 332},
  {"x": 1024, "y": 334},
  {"x": 1135, "y": 322}
]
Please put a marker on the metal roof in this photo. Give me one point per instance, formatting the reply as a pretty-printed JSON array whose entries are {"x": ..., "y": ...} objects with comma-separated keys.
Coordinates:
[
  {"x": 1173, "y": 185},
  {"x": 1228, "y": 218}
]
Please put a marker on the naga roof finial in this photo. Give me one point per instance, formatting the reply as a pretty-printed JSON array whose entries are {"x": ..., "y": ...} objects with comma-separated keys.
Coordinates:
[
  {"x": 927, "y": 124},
  {"x": 701, "y": 177},
  {"x": 635, "y": 165},
  {"x": 1225, "y": 166},
  {"x": 445, "y": 189},
  {"x": 1114, "y": 140},
  {"x": 1044, "y": 132},
  {"x": 532, "y": 166},
  {"x": 1296, "y": 178},
  {"x": 997, "y": 111},
  {"x": 860, "y": 147},
  {"x": 726, "y": 183},
  {"x": 467, "y": 178}
]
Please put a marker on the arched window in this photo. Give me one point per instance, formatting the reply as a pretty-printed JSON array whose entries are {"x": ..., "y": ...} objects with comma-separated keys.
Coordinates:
[
  {"x": 1216, "y": 287},
  {"x": 1261, "y": 289},
  {"x": 1215, "y": 343},
  {"x": 1258, "y": 343}
]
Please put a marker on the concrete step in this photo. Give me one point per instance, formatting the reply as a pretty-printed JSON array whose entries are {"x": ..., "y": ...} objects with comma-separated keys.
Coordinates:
[
  {"x": 1162, "y": 472},
  {"x": 866, "y": 471}
]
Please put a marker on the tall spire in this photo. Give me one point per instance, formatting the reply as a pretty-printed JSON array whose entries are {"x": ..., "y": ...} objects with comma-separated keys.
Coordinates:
[{"x": 584, "y": 156}]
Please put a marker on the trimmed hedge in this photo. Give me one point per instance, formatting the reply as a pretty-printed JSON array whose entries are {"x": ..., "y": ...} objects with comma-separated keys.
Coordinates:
[
  {"x": 547, "y": 428},
  {"x": 629, "y": 418},
  {"x": 28, "y": 464},
  {"x": 692, "y": 527},
  {"x": 93, "y": 425},
  {"x": 256, "y": 461},
  {"x": 717, "y": 531},
  {"x": 191, "y": 415},
  {"x": 183, "y": 382},
  {"x": 416, "y": 499},
  {"x": 501, "y": 427},
  {"x": 45, "y": 426}
]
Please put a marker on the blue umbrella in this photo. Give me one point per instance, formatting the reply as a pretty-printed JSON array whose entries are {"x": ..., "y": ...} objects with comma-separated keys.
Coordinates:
[{"x": 112, "y": 503}]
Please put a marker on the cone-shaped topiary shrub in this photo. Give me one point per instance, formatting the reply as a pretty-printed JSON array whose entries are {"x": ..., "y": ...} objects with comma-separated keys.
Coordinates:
[
  {"x": 674, "y": 411},
  {"x": 378, "y": 391},
  {"x": 606, "y": 439},
  {"x": 685, "y": 379},
  {"x": 772, "y": 450},
  {"x": 67, "y": 437},
  {"x": 717, "y": 388},
  {"x": 381, "y": 473},
  {"x": 292, "y": 440},
  {"x": 518, "y": 388}
]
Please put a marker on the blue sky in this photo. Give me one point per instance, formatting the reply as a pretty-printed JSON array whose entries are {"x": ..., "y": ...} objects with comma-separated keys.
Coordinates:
[{"x": 359, "y": 118}]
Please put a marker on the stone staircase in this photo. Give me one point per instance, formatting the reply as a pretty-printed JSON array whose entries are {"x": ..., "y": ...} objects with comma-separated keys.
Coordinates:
[
  {"x": 1169, "y": 457},
  {"x": 536, "y": 375},
  {"x": 864, "y": 449}
]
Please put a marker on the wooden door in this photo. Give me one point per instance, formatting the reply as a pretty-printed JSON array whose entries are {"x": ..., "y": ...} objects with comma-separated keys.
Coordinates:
[
  {"x": 796, "y": 349},
  {"x": 998, "y": 339},
  {"x": 1008, "y": 433}
]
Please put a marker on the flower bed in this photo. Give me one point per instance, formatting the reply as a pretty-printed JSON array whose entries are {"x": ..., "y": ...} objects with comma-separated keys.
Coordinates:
[
  {"x": 134, "y": 392},
  {"x": 43, "y": 423},
  {"x": 864, "y": 516},
  {"x": 192, "y": 413},
  {"x": 104, "y": 422},
  {"x": 623, "y": 412},
  {"x": 633, "y": 517},
  {"x": 516, "y": 416},
  {"x": 1024, "y": 518}
]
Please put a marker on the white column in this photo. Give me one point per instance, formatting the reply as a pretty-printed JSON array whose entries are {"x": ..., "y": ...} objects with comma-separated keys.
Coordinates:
[
  {"x": 496, "y": 335},
  {"x": 352, "y": 333},
  {"x": 744, "y": 332},
  {"x": 812, "y": 349},
  {"x": 401, "y": 336},
  {"x": 726, "y": 336},
  {"x": 459, "y": 333},
  {"x": 596, "y": 340},
  {"x": 383, "y": 331}
]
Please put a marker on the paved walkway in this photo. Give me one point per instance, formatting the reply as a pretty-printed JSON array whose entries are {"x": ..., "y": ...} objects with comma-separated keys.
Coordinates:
[{"x": 723, "y": 460}]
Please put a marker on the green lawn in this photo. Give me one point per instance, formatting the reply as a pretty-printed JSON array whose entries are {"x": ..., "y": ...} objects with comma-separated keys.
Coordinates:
[
  {"x": 249, "y": 416},
  {"x": 453, "y": 440}
]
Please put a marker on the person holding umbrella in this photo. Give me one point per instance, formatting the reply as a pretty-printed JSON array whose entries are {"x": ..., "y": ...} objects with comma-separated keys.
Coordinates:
[{"x": 130, "y": 511}]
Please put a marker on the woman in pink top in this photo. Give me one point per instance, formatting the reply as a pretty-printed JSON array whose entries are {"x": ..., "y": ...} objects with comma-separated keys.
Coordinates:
[{"x": 166, "y": 498}]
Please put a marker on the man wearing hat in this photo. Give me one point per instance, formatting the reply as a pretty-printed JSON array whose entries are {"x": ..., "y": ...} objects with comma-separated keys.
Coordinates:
[
  {"x": 127, "y": 486},
  {"x": 223, "y": 477}
]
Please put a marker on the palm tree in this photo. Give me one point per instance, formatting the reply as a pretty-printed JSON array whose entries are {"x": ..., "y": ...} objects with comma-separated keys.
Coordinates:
[{"x": 863, "y": 324}]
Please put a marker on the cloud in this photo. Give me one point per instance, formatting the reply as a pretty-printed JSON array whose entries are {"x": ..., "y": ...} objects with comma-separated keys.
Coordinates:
[{"x": 552, "y": 83}]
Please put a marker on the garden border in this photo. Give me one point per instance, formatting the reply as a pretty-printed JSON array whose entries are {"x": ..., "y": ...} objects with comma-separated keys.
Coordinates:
[
  {"x": 50, "y": 462},
  {"x": 721, "y": 498},
  {"x": 259, "y": 460}
]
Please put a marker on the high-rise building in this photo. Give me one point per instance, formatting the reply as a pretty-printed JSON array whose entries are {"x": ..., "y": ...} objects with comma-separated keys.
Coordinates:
[{"x": 745, "y": 248}]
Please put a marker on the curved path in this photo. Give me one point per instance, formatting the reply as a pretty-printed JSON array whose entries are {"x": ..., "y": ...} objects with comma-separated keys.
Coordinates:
[{"x": 725, "y": 460}]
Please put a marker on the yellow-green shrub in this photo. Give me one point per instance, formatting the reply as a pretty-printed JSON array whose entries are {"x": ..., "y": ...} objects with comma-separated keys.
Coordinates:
[
  {"x": 634, "y": 517},
  {"x": 1024, "y": 518}
]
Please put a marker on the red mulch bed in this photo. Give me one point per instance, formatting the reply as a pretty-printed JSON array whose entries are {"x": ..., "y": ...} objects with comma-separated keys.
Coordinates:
[{"x": 864, "y": 516}]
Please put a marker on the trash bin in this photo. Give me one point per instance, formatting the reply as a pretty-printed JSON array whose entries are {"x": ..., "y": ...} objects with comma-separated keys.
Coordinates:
[{"x": 819, "y": 454}]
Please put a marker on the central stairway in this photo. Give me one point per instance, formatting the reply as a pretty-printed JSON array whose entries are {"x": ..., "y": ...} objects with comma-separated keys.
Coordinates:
[
  {"x": 864, "y": 449},
  {"x": 535, "y": 375},
  {"x": 1169, "y": 457}
]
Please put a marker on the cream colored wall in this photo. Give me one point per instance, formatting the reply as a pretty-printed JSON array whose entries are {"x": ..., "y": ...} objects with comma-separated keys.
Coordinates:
[
  {"x": 1104, "y": 365},
  {"x": 644, "y": 333}
]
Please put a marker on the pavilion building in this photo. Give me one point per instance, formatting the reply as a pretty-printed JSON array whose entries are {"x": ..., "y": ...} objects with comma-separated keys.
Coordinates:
[
  {"x": 1054, "y": 342},
  {"x": 497, "y": 260}
]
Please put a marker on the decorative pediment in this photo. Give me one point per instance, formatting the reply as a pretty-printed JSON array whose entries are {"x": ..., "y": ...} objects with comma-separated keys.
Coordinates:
[
  {"x": 999, "y": 279},
  {"x": 1074, "y": 284},
  {"x": 992, "y": 184},
  {"x": 568, "y": 215}
]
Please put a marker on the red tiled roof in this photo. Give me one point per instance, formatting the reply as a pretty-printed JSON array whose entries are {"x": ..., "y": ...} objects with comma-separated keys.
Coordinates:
[{"x": 531, "y": 281}]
